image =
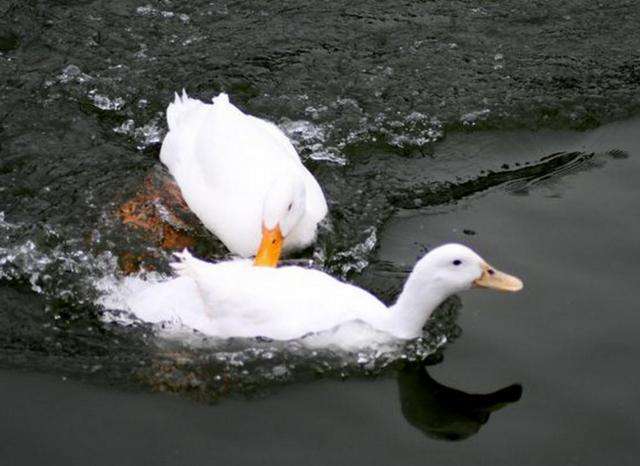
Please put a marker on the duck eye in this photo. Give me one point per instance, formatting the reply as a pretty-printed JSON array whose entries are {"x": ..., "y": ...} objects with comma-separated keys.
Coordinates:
[
  {"x": 290, "y": 207},
  {"x": 457, "y": 262}
]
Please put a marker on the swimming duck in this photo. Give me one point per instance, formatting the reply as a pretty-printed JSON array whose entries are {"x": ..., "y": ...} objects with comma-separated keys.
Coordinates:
[
  {"x": 242, "y": 177},
  {"x": 235, "y": 299}
]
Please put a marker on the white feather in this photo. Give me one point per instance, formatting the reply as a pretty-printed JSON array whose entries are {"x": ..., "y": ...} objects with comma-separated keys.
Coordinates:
[
  {"x": 225, "y": 162},
  {"x": 237, "y": 299}
]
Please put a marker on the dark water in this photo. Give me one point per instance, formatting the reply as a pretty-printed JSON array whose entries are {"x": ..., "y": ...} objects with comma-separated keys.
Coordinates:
[
  {"x": 570, "y": 340},
  {"x": 508, "y": 127}
]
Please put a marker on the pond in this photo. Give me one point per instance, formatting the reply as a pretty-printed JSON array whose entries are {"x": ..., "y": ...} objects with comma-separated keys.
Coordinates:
[{"x": 425, "y": 124}]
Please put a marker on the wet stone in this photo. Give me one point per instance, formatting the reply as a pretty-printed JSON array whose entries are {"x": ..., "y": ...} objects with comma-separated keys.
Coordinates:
[{"x": 160, "y": 212}]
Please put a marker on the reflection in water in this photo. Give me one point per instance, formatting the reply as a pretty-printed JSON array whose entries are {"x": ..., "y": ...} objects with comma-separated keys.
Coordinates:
[{"x": 446, "y": 413}]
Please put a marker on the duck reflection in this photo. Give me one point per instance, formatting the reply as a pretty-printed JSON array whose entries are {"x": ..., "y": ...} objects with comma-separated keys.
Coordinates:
[{"x": 446, "y": 413}]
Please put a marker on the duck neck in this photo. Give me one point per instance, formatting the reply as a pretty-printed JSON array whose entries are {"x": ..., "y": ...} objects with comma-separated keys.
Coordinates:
[{"x": 418, "y": 299}]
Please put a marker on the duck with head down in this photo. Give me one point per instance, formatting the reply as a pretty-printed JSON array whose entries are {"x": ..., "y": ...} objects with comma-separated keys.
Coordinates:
[
  {"x": 242, "y": 177},
  {"x": 283, "y": 216}
]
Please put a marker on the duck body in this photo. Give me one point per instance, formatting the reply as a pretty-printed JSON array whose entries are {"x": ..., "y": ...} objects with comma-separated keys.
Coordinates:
[
  {"x": 225, "y": 163},
  {"x": 237, "y": 299}
]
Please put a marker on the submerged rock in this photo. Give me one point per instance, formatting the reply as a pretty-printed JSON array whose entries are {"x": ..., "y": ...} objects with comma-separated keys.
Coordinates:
[{"x": 160, "y": 211}]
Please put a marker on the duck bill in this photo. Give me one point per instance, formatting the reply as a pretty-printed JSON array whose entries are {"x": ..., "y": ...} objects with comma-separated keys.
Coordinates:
[
  {"x": 270, "y": 247},
  {"x": 496, "y": 280}
]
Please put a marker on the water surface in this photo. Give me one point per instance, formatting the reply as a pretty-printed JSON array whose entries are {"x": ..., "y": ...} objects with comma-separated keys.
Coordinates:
[
  {"x": 507, "y": 127},
  {"x": 568, "y": 338}
]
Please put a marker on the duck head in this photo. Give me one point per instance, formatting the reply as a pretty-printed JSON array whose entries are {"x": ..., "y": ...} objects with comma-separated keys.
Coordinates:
[
  {"x": 444, "y": 271},
  {"x": 459, "y": 268},
  {"x": 283, "y": 208}
]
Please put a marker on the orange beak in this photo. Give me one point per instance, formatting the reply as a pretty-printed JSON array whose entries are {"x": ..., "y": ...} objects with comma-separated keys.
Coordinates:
[
  {"x": 270, "y": 247},
  {"x": 496, "y": 280}
]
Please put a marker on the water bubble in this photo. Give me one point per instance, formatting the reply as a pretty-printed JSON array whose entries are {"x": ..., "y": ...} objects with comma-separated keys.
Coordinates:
[
  {"x": 105, "y": 103},
  {"x": 148, "y": 10},
  {"x": 471, "y": 118},
  {"x": 355, "y": 259},
  {"x": 125, "y": 128},
  {"x": 73, "y": 73},
  {"x": 309, "y": 139},
  {"x": 149, "y": 134}
]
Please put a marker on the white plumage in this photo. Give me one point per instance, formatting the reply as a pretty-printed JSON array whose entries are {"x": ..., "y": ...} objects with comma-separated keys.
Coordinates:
[
  {"x": 237, "y": 299},
  {"x": 228, "y": 164}
]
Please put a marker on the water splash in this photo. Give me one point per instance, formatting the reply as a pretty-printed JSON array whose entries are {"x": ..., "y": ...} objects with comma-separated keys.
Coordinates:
[
  {"x": 310, "y": 141},
  {"x": 127, "y": 127},
  {"x": 472, "y": 118},
  {"x": 356, "y": 258},
  {"x": 144, "y": 136},
  {"x": 344, "y": 122},
  {"x": 105, "y": 103},
  {"x": 149, "y": 134},
  {"x": 173, "y": 356},
  {"x": 71, "y": 73},
  {"x": 148, "y": 10},
  {"x": 189, "y": 361},
  {"x": 53, "y": 265}
]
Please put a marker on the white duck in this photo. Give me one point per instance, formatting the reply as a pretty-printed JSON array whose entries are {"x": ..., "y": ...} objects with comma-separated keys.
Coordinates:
[
  {"x": 235, "y": 299},
  {"x": 242, "y": 177}
]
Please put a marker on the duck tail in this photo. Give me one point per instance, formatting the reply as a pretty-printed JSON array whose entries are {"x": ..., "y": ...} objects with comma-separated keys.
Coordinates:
[
  {"x": 179, "y": 108},
  {"x": 186, "y": 265},
  {"x": 222, "y": 98}
]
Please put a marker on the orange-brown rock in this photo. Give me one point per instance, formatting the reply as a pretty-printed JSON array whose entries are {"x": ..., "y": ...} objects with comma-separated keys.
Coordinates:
[{"x": 158, "y": 210}]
